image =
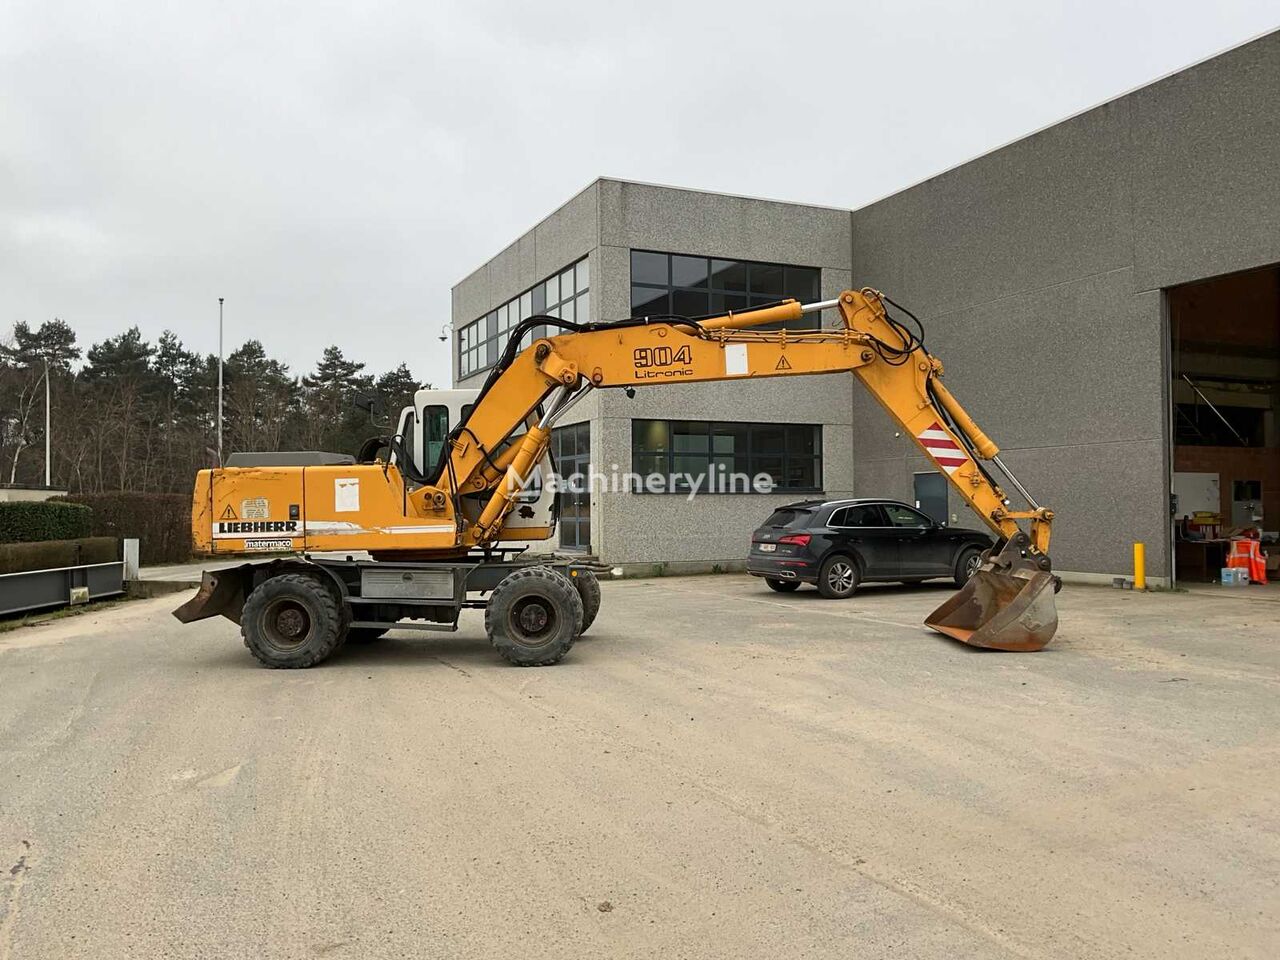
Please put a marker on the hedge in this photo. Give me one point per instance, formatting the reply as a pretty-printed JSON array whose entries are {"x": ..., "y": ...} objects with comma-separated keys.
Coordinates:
[
  {"x": 27, "y": 521},
  {"x": 161, "y": 522}
]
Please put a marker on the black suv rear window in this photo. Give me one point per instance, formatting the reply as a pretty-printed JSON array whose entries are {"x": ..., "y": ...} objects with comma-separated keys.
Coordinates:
[{"x": 790, "y": 518}]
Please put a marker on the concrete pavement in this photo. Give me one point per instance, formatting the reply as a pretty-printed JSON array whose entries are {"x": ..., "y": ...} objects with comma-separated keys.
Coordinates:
[{"x": 714, "y": 771}]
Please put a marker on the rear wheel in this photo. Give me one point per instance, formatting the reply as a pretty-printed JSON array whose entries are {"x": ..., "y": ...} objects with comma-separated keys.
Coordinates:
[
  {"x": 967, "y": 565},
  {"x": 588, "y": 587},
  {"x": 291, "y": 621},
  {"x": 533, "y": 616},
  {"x": 782, "y": 586},
  {"x": 838, "y": 577}
]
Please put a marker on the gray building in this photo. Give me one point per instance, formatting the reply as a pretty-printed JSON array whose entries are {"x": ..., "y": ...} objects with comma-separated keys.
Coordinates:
[{"x": 1104, "y": 295}]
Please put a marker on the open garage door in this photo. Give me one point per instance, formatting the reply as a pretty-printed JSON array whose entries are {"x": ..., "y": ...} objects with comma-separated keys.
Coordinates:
[{"x": 1226, "y": 425}]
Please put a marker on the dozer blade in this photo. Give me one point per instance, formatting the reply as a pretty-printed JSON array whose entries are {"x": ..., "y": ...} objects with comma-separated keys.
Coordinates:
[
  {"x": 221, "y": 592},
  {"x": 1007, "y": 605}
]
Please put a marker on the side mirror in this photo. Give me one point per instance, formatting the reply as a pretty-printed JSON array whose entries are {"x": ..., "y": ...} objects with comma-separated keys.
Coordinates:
[{"x": 371, "y": 404}]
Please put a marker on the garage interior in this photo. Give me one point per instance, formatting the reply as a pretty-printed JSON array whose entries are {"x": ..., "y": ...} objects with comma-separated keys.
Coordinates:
[{"x": 1226, "y": 429}]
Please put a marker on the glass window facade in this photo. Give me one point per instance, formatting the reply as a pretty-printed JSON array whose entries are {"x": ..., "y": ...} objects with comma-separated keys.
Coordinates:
[
  {"x": 567, "y": 295},
  {"x": 790, "y": 453},
  {"x": 669, "y": 283}
]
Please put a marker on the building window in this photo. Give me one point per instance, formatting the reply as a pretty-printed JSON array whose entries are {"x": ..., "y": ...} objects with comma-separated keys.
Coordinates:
[
  {"x": 566, "y": 295},
  {"x": 704, "y": 456},
  {"x": 672, "y": 284},
  {"x": 571, "y": 451}
]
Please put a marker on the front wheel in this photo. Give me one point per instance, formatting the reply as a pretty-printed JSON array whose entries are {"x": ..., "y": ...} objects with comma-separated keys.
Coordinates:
[
  {"x": 838, "y": 577},
  {"x": 533, "y": 616},
  {"x": 782, "y": 586}
]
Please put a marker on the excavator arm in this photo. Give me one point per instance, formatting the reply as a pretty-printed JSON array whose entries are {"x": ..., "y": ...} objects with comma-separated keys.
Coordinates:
[{"x": 1007, "y": 605}]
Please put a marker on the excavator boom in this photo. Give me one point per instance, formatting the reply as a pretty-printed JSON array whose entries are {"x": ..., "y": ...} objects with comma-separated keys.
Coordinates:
[{"x": 1007, "y": 605}]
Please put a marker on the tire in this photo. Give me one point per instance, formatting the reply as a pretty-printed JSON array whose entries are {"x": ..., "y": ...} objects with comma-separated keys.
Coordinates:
[
  {"x": 838, "y": 577},
  {"x": 292, "y": 621},
  {"x": 782, "y": 586},
  {"x": 588, "y": 588},
  {"x": 533, "y": 617},
  {"x": 365, "y": 635},
  {"x": 967, "y": 565}
]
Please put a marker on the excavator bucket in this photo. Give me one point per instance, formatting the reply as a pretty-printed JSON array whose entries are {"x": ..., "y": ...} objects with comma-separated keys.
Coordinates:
[{"x": 1008, "y": 604}]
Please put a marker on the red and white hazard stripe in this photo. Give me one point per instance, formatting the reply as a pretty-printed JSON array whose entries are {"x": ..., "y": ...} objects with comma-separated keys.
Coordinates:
[{"x": 939, "y": 445}]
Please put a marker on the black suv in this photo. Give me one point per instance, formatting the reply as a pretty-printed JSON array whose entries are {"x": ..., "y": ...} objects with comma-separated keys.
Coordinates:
[{"x": 838, "y": 544}]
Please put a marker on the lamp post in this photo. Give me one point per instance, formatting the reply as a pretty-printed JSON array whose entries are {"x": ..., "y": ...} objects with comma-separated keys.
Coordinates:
[
  {"x": 220, "y": 381},
  {"x": 48, "y": 419}
]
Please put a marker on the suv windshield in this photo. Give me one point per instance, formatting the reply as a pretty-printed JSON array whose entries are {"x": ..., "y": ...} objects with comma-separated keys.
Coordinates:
[{"x": 788, "y": 517}]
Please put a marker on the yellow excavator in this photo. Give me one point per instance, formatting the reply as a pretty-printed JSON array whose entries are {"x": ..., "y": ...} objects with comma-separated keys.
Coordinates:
[{"x": 439, "y": 504}]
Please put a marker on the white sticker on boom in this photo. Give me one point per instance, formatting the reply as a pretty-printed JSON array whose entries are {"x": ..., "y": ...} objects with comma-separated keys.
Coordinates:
[
  {"x": 735, "y": 360},
  {"x": 346, "y": 494}
]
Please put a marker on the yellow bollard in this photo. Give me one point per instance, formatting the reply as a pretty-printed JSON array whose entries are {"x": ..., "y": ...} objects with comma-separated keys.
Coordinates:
[{"x": 1139, "y": 566}]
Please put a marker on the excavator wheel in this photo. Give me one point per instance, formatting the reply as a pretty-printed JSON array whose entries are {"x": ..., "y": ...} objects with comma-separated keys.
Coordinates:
[
  {"x": 533, "y": 616},
  {"x": 291, "y": 621},
  {"x": 588, "y": 588}
]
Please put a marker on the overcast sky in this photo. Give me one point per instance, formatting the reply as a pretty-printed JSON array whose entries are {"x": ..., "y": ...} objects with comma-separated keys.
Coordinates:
[{"x": 333, "y": 169}]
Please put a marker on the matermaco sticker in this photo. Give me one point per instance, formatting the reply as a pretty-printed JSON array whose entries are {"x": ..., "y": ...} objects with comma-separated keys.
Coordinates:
[
  {"x": 268, "y": 544},
  {"x": 256, "y": 509}
]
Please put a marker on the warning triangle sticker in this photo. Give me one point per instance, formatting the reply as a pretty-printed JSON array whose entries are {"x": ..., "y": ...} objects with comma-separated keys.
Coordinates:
[
  {"x": 782, "y": 364},
  {"x": 228, "y": 514}
]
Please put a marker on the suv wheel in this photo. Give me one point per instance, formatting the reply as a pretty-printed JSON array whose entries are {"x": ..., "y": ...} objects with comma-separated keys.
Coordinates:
[
  {"x": 967, "y": 565},
  {"x": 838, "y": 577}
]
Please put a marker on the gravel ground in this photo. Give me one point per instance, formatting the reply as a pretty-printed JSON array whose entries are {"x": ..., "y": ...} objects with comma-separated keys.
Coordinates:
[{"x": 714, "y": 771}]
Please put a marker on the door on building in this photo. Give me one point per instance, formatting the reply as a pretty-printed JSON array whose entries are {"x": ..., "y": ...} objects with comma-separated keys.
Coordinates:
[
  {"x": 931, "y": 496},
  {"x": 571, "y": 448},
  {"x": 1225, "y": 414}
]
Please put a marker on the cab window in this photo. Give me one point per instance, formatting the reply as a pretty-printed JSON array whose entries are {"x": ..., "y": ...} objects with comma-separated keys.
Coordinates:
[{"x": 435, "y": 428}]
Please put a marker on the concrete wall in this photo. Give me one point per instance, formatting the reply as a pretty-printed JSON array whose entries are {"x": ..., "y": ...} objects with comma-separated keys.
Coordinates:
[
  {"x": 23, "y": 494},
  {"x": 607, "y": 221},
  {"x": 1039, "y": 270}
]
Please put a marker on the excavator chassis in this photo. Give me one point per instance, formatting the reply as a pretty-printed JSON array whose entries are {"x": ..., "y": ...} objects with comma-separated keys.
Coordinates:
[{"x": 369, "y": 597}]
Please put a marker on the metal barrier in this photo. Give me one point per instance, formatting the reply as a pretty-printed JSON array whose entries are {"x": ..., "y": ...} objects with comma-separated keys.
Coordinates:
[{"x": 60, "y": 586}]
